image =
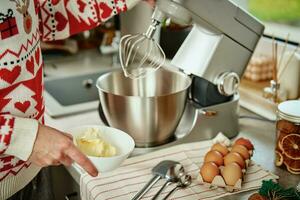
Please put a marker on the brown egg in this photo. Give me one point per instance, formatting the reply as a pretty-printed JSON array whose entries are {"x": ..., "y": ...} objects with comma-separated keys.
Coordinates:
[
  {"x": 242, "y": 150},
  {"x": 245, "y": 142},
  {"x": 208, "y": 171},
  {"x": 220, "y": 148},
  {"x": 214, "y": 156},
  {"x": 232, "y": 173},
  {"x": 234, "y": 157}
]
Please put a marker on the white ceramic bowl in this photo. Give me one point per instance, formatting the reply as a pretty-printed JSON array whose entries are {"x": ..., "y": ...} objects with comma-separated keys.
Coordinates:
[{"x": 121, "y": 140}]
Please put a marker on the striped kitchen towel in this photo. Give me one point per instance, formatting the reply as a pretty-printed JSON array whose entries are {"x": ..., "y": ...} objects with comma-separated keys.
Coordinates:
[{"x": 135, "y": 172}]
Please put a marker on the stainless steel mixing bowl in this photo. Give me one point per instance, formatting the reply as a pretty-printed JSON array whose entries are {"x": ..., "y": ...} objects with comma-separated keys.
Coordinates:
[{"x": 149, "y": 109}]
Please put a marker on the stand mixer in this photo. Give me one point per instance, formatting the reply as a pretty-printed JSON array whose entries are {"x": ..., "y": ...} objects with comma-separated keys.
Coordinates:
[{"x": 214, "y": 55}]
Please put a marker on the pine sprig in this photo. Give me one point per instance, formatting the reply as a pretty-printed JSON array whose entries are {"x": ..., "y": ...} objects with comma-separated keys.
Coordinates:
[{"x": 273, "y": 191}]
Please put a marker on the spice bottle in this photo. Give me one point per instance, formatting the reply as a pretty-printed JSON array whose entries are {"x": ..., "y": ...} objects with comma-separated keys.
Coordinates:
[{"x": 288, "y": 136}]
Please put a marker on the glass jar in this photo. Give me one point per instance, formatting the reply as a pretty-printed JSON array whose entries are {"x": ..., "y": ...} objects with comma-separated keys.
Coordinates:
[{"x": 288, "y": 136}]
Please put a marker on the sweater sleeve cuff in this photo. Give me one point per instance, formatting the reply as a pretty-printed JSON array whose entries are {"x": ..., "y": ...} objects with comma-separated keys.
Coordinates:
[{"x": 23, "y": 138}]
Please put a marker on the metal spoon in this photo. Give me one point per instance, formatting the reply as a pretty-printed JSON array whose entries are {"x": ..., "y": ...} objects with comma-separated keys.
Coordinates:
[
  {"x": 159, "y": 172},
  {"x": 173, "y": 175},
  {"x": 184, "y": 181}
]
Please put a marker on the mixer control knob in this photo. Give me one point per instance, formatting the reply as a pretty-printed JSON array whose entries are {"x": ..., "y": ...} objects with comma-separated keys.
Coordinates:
[{"x": 228, "y": 83}]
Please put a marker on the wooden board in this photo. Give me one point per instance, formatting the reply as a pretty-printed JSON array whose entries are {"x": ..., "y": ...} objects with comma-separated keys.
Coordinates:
[{"x": 251, "y": 98}]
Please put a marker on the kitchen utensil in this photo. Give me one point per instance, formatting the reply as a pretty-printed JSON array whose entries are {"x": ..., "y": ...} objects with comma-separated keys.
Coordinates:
[
  {"x": 119, "y": 139},
  {"x": 140, "y": 52},
  {"x": 148, "y": 109},
  {"x": 216, "y": 51},
  {"x": 184, "y": 181},
  {"x": 159, "y": 172},
  {"x": 173, "y": 175}
]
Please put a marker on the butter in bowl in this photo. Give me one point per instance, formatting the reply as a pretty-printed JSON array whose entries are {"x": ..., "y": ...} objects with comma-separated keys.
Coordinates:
[{"x": 106, "y": 147}]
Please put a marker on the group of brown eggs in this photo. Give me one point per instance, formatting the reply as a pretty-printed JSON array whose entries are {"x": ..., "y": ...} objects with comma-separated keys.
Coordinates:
[{"x": 232, "y": 160}]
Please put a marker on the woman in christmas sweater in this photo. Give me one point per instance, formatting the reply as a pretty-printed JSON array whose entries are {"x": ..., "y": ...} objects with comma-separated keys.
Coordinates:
[{"x": 26, "y": 144}]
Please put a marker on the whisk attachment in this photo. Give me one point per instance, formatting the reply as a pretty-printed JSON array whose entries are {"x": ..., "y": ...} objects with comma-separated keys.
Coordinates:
[{"x": 140, "y": 53}]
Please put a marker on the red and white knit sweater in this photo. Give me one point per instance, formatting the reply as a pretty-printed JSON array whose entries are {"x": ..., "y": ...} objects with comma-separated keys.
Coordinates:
[{"x": 23, "y": 23}]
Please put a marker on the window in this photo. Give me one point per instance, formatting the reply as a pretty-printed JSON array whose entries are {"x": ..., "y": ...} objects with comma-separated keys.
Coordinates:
[{"x": 281, "y": 17}]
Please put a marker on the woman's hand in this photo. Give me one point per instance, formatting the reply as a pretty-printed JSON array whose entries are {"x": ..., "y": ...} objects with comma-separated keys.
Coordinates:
[{"x": 53, "y": 147}]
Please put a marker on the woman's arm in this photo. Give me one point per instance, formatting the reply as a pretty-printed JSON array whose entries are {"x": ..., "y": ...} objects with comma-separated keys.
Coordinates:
[
  {"x": 40, "y": 144},
  {"x": 61, "y": 18}
]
